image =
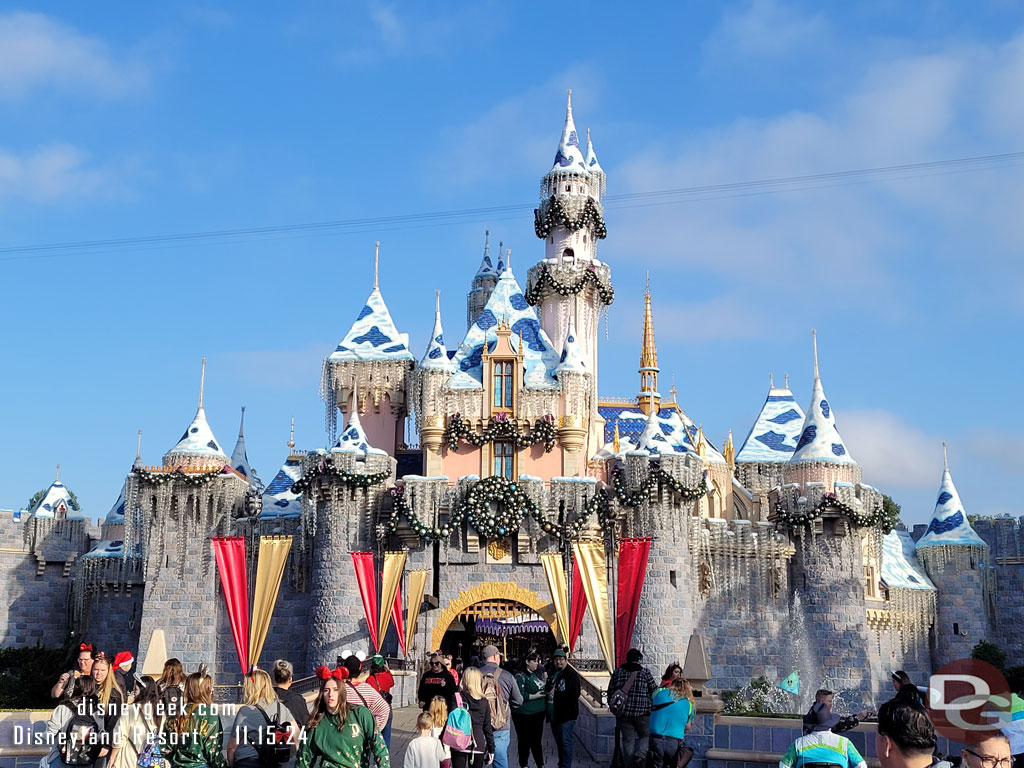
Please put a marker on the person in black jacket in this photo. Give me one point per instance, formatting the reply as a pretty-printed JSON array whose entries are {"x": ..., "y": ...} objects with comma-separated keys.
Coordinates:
[
  {"x": 473, "y": 700},
  {"x": 294, "y": 701},
  {"x": 436, "y": 681},
  {"x": 563, "y": 700}
]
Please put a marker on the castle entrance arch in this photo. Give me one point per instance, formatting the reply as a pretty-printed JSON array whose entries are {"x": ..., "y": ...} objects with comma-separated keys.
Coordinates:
[{"x": 511, "y": 617}]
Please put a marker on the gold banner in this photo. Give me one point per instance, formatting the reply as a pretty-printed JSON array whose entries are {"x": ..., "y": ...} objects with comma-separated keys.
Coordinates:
[
  {"x": 554, "y": 571},
  {"x": 391, "y": 579},
  {"x": 594, "y": 574},
  {"x": 417, "y": 585},
  {"x": 269, "y": 570}
]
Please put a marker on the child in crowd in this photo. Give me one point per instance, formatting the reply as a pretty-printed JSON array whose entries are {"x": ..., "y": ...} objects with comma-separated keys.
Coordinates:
[
  {"x": 439, "y": 718},
  {"x": 425, "y": 751}
]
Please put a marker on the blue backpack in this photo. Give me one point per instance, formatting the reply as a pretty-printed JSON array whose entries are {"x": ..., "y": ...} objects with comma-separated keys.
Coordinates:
[{"x": 458, "y": 729}]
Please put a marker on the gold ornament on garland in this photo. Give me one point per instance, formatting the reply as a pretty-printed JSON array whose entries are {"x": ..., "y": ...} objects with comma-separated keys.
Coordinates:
[
  {"x": 501, "y": 428},
  {"x": 325, "y": 470},
  {"x": 878, "y": 517},
  {"x": 656, "y": 477},
  {"x": 189, "y": 478},
  {"x": 535, "y": 291}
]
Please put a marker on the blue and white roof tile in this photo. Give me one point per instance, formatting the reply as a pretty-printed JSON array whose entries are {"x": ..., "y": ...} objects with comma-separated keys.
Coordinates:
[
  {"x": 436, "y": 357},
  {"x": 278, "y": 498},
  {"x": 949, "y": 525},
  {"x": 679, "y": 431},
  {"x": 116, "y": 514},
  {"x": 819, "y": 438},
  {"x": 569, "y": 156},
  {"x": 105, "y": 548},
  {"x": 56, "y": 496},
  {"x": 776, "y": 431},
  {"x": 900, "y": 567},
  {"x": 373, "y": 336},
  {"x": 239, "y": 461},
  {"x": 353, "y": 438},
  {"x": 198, "y": 441},
  {"x": 506, "y": 303},
  {"x": 591, "y": 160},
  {"x": 571, "y": 360}
]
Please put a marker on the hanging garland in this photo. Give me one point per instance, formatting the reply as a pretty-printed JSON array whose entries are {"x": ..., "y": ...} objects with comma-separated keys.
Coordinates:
[
  {"x": 535, "y": 290},
  {"x": 327, "y": 470},
  {"x": 656, "y": 477},
  {"x": 188, "y": 478},
  {"x": 514, "y": 506},
  {"x": 880, "y": 518},
  {"x": 501, "y": 428},
  {"x": 552, "y": 213}
]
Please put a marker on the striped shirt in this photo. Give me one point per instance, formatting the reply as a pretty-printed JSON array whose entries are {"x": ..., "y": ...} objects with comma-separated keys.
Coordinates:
[
  {"x": 822, "y": 747},
  {"x": 366, "y": 694}
]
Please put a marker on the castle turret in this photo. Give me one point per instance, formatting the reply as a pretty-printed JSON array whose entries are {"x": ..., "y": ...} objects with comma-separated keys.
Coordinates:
[
  {"x": 571, "y": 281},
  {"x": 820, "y": 455},
  {"x": 484, "y": 280},
  {"x": 239, "y": 461},
  {"x": 772, "y": 440},
  {"x": 197, "y": 448},
  {"x": 649, "y": 399},
  {"x": 956, "y": 559},
  {"x": 369, "y": 366},
  {"x": 434, "y": 370},
  {"x": 577, "y": 385}
]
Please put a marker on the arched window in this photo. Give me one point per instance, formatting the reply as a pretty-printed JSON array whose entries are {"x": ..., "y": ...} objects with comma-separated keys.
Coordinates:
[{"x": 569, "y": 254}]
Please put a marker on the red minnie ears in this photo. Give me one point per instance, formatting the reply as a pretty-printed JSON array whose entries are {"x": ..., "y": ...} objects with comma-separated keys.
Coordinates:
[
  {"x": 85, "y": 647},
  {"x": 338, "y": 673}
]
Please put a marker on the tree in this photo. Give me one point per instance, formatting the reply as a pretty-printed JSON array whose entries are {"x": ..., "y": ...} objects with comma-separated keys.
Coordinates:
[
  {"x": 39, "y": 495},
  {"x": 990, "y": 652},
  {"x": 890, "y": 512}
]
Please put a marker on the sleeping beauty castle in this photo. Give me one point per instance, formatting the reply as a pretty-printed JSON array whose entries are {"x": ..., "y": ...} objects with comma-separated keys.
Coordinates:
[{"x": 482, "y": 489}]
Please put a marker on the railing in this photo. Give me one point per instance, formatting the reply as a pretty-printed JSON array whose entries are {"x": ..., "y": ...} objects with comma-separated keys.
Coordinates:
[
  {"x": 592, "y": 693},
  {"x": 590, "y": 665}
]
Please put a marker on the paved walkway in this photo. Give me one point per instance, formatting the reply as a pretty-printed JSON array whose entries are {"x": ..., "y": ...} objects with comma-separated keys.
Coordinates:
[{"x": 403, "y": 729}]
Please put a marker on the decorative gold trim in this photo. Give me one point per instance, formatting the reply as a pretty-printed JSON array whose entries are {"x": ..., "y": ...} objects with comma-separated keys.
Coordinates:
[{"x": 490, "y": 590}]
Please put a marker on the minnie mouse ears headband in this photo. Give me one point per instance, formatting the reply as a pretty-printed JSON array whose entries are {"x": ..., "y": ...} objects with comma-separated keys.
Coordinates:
[
  {"x": 338, "y": 673},
  {"x": 85, "y": 647}
]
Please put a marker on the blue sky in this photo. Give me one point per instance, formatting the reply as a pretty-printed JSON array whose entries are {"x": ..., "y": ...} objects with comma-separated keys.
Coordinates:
[{"x": 136, "y": 119}]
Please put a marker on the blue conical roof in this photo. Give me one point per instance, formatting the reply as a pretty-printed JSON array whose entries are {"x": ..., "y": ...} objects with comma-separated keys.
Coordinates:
[
  {"x": 776, "y": 430},
  {"x": 571, "y": 360},
  {"x": 436, "y": 357},
  {"x": 239, "y": 461},
  {"x": 569, "y": 156},
  {"x": 819, "y": 438},
  {"x": 56, "y": 497},
  {"x": 373, "y": 336},
  {"x": 653, "y": 439},
  {"x": 278, "y": 499},
  {"x": 353, "y": 439},
  {"x": 949, "y": 524}
]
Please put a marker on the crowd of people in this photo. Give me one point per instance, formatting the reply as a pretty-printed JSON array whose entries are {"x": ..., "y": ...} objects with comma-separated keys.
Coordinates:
[{"x": 109, "y": 717}]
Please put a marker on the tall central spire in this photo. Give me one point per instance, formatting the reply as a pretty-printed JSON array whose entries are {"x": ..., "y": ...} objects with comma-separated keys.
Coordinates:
[{"x": 649, "y": 400}]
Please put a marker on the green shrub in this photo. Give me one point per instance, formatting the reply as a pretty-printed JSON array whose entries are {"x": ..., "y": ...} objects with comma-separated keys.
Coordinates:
[
  {"x": 990, "y": 652},
  {"x": 28, "y": 674}
]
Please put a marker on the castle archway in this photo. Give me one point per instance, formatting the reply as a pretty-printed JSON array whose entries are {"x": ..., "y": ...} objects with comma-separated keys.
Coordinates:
[{"x": 497, "y": 606}]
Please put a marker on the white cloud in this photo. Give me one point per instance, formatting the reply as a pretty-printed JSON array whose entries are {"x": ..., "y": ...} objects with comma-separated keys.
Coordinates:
[
  {"x": 765, "y": 28},
  {"x": 54, "y": 172},
  {"x": 39, "y": 52},
  {"x": 892, "y": 453}
]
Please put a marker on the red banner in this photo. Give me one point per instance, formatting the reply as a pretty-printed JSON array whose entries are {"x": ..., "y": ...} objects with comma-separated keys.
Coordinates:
[
  {"x": 366, "y": 579},
  {"x": 230, "y": 552},
  {"x": 577, "y": 607},
  {"x": 632, "y": 569},
  {"x": 396, "y": 617}
]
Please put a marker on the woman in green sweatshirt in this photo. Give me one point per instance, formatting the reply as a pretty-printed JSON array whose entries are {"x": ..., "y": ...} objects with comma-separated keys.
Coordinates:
[
  {"x": 339, "y": 734},
  {"x": 529, "y": 718},
  {"x": 195, "y": 737}
]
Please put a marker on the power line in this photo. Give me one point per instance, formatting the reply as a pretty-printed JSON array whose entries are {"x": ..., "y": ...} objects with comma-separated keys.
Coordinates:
[{"x": 441, "y": 218}]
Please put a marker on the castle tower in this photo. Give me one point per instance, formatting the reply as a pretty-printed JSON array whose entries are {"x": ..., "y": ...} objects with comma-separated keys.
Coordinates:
[
  {"x": 171, "y": 513},
  {"x": 577, "y": 385},
  {"x": 771, "y": 442},
  {"x": 956, "y": 559},
  {"x": 484, "y": 280},
  {"x": 570, "y": 282},
  {"x": 239, "y": 461},
  {"x": 434, "y": 370},
  {"x": 649, "y": 400},
  {"x": 369, "y": 366},
  {"x": 820, "y": 455}
]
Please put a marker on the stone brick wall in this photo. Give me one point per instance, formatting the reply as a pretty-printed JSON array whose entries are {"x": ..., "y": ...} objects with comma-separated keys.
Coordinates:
[
  {"x": 1005, "y": 537},
  {"x": 961, "y": 617},
  {"x": 114, "y": 617}
]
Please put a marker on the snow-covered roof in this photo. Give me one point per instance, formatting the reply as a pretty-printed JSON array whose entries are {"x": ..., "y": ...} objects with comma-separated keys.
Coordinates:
[
  {"x": 436, "y": 357},
  {"x": 653, "y": 439},
  {"x": 591, "y": 160},
  {"x": 373, "y": 336},
  {"x": 679, "y": 430},
  {"x": 105, "y": 548},
  {"x": 900, "y": 568},
  {"x": 198, "y": 441},
  {"x": 775, "y": 432},
  {"x": 506, "y": 303},
  {"x": 239, "y": 461},
  {"x": 116, "y": 514},
  {"x": 278, "y": 499},
  {"x": 353, "y": 439},
  {"x": 56, "y": 496},
  {"x": 569, "y": 156},
  {"x": 571, "y": 360},
  {"x": 949, "y": 524},
  {"x": 819, "y": 438},
  {"x": 486, "y": 265}
]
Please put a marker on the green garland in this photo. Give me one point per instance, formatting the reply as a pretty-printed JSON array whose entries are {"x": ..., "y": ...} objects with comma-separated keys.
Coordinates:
[
  {"x": 514, "y": 506},
  {"x": 535, "y": 292},
  {"x": 327, "y": 470},
  {"x": 552, "y": 214},
  {"x": 656, "y": 477},
  {"x": 499, "y": 428},
  {"x": 880, "y": 518},
  {"x": 189, "y": 478}
]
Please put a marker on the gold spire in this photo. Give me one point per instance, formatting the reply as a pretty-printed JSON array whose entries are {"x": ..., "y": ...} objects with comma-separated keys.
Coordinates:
[
  {"x": 730, "y": 452},
  {"x": 615, "y": 440},
  {"x": 702, "y": 446},
  {"x": 649, "y": 400}
]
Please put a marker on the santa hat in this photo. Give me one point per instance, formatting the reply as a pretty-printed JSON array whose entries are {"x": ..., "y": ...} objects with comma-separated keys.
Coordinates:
[{"x": 124, "y": 660}]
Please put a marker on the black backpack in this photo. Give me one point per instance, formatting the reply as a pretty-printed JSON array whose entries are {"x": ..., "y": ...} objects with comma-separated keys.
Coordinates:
[
  {"x": 273, "y": 745},
  {"x": 81, "y": 742}
]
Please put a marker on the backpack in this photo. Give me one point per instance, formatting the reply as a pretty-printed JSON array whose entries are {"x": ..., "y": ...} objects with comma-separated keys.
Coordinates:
[
  {"x": 172, "y": 701},
  {"x": 386, "y": 695},
  {"x": 273, "y": 745},
  {"x": 81, "y": 742},
  {"x": 495, "y": 701},
  {"x": 620, "y": 696},
  {"x": 458, "y": 729},
  {"x": 150, "y": 756}
]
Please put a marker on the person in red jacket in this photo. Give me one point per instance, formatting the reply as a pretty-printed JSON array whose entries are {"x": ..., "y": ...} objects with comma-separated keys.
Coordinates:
[
  {"x": 453, "y": 670},
  {"x": 382, "y": 681}
]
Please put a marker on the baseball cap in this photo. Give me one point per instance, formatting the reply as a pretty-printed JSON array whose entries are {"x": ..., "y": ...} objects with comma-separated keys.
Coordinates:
[
  {"x": 488, "y": 651},
  {"x": 560, "y": 654}
]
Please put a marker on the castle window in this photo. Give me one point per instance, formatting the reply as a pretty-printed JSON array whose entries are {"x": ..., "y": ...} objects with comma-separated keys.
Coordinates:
[
  {"x": 568, "y": 254},
  {"x": 568, "y": 187},
  {"x": 502, "y": 383},
  {"x": 956, "y": 628},
  {"x": 504, "y": 458}
]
